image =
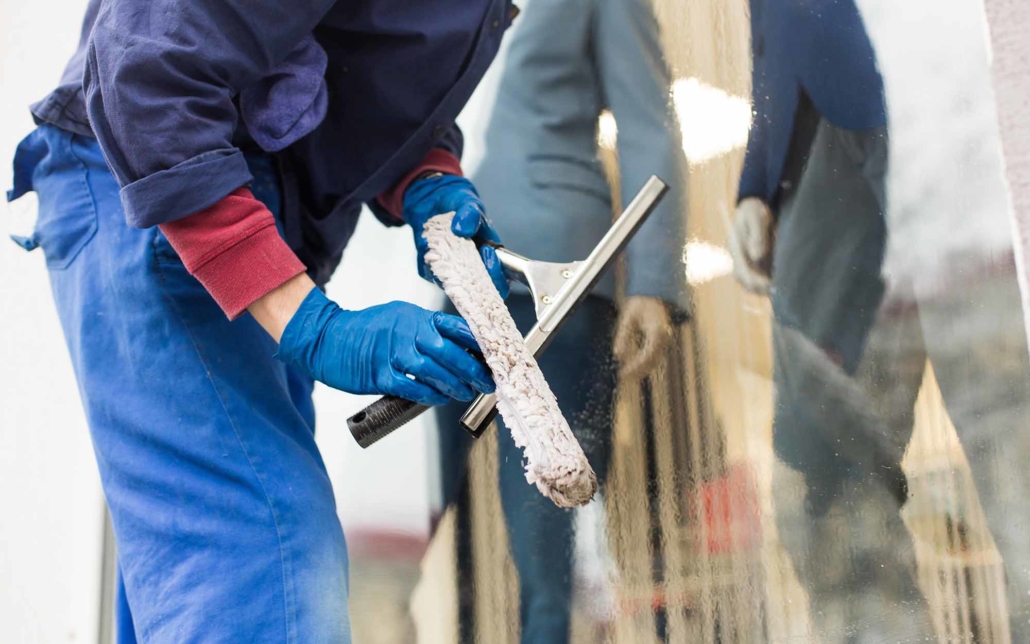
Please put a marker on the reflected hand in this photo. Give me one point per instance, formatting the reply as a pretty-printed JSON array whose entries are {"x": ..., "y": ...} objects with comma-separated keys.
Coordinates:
[
  {"x": 750, "y": 244},
  {"x": 642, "y": 333}
]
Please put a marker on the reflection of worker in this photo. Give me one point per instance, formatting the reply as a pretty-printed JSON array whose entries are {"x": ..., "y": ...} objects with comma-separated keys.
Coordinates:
[
  {"x": 549, "y": 198},
  {"x": 813, "y": 181},
  {"x": 225, "y": 520},
  {"x": 811, "y": 210},
  {"x": 847, "y": 371}
]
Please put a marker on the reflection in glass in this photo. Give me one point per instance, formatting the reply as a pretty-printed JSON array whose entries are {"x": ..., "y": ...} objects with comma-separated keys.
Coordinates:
[
  {"x": 855, "y": 323},
  {"x": 829, "y": 448}
]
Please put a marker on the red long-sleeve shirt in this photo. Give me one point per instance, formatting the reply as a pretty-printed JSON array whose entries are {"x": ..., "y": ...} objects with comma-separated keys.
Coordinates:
[{"x": 234, "y": 249}]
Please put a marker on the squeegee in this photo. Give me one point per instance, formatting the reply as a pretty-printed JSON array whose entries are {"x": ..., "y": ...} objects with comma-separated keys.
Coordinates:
[{"x": 555, "y": 462}]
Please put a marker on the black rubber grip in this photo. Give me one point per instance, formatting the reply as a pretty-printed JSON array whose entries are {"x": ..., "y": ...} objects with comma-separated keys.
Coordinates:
[{"x": 381, "y": 418}]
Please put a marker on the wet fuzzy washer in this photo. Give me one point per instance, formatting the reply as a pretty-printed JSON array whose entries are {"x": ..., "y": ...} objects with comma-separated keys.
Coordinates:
[{"x": 554, "y": 460}]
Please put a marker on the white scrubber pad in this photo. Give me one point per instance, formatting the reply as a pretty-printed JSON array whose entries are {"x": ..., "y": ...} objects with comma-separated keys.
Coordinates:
[{"x": 555, "y": 462}]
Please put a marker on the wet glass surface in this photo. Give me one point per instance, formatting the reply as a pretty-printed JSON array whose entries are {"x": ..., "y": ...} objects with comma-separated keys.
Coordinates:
[{"x": 811, "y": 423}]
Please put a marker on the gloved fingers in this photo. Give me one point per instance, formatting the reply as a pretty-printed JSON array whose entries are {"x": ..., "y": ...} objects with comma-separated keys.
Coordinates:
[
  {"x": 422, "y": 247},
  {"x": 426, "y": 273},
  {"x": 458, "y": 361},
  {"x": 496, "y": 271},
  {"x": 463, "y": 366},
  {"x": 455, "y": 329},
  {"x": 428, "y": 371},
  {"x": 470, "y": 221},
  {"x": 404, "y": 387}
]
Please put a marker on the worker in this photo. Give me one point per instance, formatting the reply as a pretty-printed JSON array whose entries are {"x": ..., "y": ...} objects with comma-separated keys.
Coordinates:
[
  {"x": 811, "y": 198},
  {"x": 544, "y": 182},
  {"x": 200, "y": 169},
  {"x": 811, "y": 232}
]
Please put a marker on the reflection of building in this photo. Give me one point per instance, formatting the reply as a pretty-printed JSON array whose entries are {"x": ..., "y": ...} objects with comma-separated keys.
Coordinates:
[{"x": 959, "y": 569}]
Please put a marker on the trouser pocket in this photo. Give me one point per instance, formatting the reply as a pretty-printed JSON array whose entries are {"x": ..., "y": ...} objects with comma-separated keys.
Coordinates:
[{"x": 46, "y": 163}]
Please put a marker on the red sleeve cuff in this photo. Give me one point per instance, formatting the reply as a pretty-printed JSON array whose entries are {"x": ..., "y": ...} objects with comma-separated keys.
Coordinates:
[
  {"x": 438, "y": 160},
  {"x": 234, "y": 249}
]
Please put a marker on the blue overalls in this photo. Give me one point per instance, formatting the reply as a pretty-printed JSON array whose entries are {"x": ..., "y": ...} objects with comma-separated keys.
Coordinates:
[{"x": 222, "y": 510}]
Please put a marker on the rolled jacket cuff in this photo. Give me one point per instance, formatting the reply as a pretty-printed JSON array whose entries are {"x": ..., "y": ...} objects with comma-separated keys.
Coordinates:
[{"x": 188, "y": 188}]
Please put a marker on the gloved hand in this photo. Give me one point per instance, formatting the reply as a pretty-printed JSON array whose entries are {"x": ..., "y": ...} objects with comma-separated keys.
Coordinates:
[
  {"x": 373, "y": 351},
  {"x": 751, "y": 239},
  {"x": 642, "y": 333},
  {"x": 426, "y": 198}
]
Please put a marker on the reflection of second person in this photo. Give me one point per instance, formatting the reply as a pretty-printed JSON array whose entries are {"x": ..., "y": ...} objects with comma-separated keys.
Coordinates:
[
  {"x": 813, "y": 208},
  {"x": 810, "y": 232},
  {"x": 548, "y": 197}
]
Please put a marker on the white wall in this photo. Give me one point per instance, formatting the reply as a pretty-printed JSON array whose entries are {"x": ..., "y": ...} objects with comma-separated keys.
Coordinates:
[{"x": 50, "y": 533}]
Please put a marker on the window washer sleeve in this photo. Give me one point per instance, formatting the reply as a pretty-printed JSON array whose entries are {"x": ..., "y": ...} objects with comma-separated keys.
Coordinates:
[{"x": 234, "y": 249}]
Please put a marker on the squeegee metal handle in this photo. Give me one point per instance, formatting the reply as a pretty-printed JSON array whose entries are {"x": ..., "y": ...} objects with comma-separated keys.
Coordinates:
[{"x": 483, "y": 408}]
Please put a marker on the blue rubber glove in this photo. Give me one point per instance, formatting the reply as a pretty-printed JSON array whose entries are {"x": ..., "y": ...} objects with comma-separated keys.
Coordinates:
[
  {"x": 373, "y": 351},
  {"x": 427, "y": 198}
]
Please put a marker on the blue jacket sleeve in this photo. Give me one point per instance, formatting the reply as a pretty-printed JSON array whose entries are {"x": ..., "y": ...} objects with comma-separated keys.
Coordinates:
[
  {"x": 753, "y": 179},
  {"x": 636, "y": 87},
  {"x": 160, "y": 81},
  {"x": 452, "y": 140}
]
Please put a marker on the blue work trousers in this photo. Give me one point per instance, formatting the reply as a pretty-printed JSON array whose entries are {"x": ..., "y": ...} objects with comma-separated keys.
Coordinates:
[{"x": 223, "y": 513}]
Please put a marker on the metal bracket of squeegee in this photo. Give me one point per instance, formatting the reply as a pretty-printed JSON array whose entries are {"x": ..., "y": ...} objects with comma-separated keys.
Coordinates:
[
  {"x": 544, "y": 279},
  {"x": 574, "y": 286}
]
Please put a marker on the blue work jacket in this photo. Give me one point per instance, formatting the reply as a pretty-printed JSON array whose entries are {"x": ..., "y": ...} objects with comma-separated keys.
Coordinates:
[
  {"x": 819, "y": 47},
  {"x": 158, "y": 82}
]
